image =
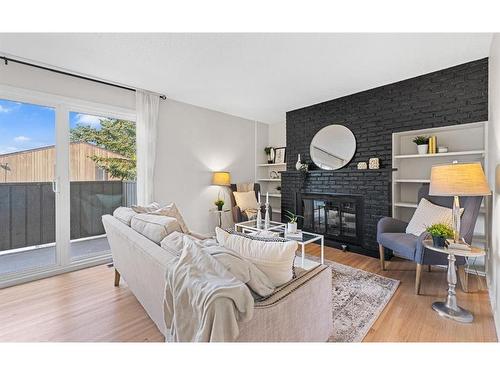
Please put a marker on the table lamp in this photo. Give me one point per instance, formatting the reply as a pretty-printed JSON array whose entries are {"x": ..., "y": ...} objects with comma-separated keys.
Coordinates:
[{"x": 458, "y": 179}]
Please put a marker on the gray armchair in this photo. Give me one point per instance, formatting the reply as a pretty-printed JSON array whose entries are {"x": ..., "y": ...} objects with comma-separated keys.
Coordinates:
[
  {"x": 391, "y": 235},
  {"x": 238, "y": 215}
]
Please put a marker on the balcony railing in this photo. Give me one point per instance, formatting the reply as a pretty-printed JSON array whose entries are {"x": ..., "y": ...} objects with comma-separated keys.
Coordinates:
[{"x": 27, "y": 210}]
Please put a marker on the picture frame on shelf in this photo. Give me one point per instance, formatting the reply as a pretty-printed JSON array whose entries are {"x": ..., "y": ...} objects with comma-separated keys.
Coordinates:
[{"x": 279, "y": 155}]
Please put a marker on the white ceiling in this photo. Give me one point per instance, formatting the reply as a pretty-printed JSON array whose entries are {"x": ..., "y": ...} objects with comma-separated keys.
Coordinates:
[{"x": 255, "y": 76}]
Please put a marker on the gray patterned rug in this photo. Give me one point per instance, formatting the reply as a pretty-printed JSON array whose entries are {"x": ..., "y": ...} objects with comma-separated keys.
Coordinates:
[{"x": 359, "y": 297}]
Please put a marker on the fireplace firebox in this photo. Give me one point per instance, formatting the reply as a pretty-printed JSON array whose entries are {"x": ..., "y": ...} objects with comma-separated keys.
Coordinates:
[{"x": 338, "y": 217}]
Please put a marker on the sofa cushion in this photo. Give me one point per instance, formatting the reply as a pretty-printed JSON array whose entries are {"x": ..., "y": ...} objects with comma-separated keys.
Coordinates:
[
  {"x": 273, "y": 256},
  {"x": 402, "y": 244},
  {"x": 124, "y": 214},
  {"x": 427, "y": 214},
  {"x": 154, "y": 227}
]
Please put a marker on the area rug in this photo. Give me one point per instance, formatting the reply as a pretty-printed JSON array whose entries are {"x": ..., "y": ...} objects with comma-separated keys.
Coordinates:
[{"x": 359, "y": 297}]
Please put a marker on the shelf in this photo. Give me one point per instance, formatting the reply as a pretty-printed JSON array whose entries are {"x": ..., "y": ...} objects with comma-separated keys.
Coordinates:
[
  {"x": 413, "y": 181},
  {"x": 278, "y": 211},
  {"x": 270, "y": 179},
  {"x": 272, "y": 165},
  {"x": 274, "y": 195},
  {"x": 442, "y": 154},
  {"x": 405, "y": 204}
]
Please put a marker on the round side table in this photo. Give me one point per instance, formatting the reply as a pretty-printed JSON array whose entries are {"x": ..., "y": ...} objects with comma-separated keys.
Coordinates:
[
  {"x": 449, "y": 308},
  {"x": 219, "y": 215}
]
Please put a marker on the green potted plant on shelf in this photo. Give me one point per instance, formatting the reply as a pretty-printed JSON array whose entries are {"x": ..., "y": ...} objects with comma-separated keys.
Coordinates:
[
  {"x": 270, "y": 154},
  {"x": 292, "y": 221},
  {"x": 422, "y": 142},
  {"x": 440, "y": 232}
]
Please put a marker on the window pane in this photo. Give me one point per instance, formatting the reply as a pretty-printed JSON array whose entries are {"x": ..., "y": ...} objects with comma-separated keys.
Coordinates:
[
  {"x": 27, "y": 201},
  {"x": 102, "y": 173}
]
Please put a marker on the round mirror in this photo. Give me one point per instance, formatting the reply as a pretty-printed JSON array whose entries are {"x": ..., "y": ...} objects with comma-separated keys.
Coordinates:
[{"x": 333, "y": 147}]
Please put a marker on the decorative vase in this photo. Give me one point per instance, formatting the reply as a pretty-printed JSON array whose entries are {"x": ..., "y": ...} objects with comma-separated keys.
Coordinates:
[
  {"x": 438, "y": 241},
  {"x": 219, "y": 207},
  {"x": 362, "y": 165},
  {"x": 270, "y": 157},
  {"x": 298, "y": 165},
  {"x": 422, "y": 149},
  {"x": 291, "y": 227}
]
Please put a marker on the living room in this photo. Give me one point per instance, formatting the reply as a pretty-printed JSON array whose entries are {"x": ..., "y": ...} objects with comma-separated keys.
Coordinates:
[{"x": 335, "y": 187}]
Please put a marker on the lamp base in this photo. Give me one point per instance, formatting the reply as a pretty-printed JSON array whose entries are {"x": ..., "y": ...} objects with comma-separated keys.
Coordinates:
[{"x": 459, "y": 314}]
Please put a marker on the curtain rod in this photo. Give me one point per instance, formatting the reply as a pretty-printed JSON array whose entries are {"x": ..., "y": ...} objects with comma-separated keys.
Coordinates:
[{"x": 8, "y": 59}]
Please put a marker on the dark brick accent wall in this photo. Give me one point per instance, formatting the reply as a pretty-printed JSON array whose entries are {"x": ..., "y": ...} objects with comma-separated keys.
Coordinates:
[{"x": 456, "y": 95}]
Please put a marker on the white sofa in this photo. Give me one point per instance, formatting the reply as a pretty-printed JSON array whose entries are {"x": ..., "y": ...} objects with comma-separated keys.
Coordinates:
[{"x": 299, "y": 311}]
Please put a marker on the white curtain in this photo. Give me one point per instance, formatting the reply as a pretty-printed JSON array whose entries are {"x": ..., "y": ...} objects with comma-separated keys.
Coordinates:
[{"x": 147, "y": 106}]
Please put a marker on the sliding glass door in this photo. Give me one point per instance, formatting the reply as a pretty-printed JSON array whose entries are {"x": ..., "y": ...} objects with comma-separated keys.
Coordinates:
[
  {"x": 63, "y": 164},
  {"x": 27, "y": 187},
  {"x": 102, "y": 174}
]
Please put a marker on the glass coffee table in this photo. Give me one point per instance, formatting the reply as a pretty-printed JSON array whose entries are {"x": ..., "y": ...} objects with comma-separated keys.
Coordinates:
[{"x": 280, "y": 228}]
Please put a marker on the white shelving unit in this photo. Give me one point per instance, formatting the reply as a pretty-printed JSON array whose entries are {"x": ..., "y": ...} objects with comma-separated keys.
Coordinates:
[
  {"x": 269, "y": 135},
  {"x": 466, "y": 143}
]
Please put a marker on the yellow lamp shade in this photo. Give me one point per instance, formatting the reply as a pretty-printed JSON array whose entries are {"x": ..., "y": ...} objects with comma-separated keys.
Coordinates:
[
  {"x": 221, "y": 178},
  {"x": 458, "y": 179}
]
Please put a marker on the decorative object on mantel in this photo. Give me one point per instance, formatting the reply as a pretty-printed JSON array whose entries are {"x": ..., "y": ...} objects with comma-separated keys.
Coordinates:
[
  {"x": 362, "y": 165},
  {"x": 259, "y": 212},
  {"x": 422, "y": 142},
  {"x": 304, "y": 168},
  {"x": 440, "y": 232},
  {"x": 374, "y": 163},
  {"x": 442, "y": 149},
  {"x": 274, "y": 175},
  {"x": 279, "y": 157},
  {"x": 298, "y": 165},
  {"x": 292, "y": 221},
  {"x": 270, "y": 154},
  {"x": 432, "y": 144},
  {"x": 267, "y": 219}
]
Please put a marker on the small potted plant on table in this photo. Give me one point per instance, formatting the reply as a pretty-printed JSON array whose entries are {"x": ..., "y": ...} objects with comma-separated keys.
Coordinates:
[
  {"x": 292, "y": 221},
  {"x": 219, "y": 203},
  {"x": 422, "y": 143},
  {"x": 440, "y": 232}
]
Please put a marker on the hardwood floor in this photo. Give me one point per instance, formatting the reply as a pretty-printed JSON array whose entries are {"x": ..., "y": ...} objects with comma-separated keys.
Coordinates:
[{"x": 85, "y": 306}]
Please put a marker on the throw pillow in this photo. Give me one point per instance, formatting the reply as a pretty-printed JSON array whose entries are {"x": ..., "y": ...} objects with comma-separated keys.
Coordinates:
[
  {"x": 427, "y": 214},
  {"x": 246, "y": 200},
  {"x": 172, "y": 211},
  {"x": 145, "y": 209},
  {"x": 273, "y": 256}
]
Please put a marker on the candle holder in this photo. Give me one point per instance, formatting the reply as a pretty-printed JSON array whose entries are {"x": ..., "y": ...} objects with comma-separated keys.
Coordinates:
[
  {"x": 259, "y": 217},
  {"x": 266, "y": 218}
]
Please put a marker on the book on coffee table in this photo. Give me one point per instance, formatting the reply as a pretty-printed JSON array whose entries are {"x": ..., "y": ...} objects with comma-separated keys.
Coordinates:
[{"x": 294, "y": 236}]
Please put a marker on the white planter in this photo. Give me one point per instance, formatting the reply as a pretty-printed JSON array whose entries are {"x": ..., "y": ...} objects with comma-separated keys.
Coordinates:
[
  {"x": 422, "y": 149},
  {"x": 292, "y": 227}
]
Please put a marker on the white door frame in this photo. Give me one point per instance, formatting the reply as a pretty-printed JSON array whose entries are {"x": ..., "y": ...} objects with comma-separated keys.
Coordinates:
[{"x": 63, "y": 106}]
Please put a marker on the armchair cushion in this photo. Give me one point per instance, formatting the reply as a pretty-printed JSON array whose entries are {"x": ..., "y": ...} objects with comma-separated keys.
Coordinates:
[
  {"x": 428, "y": 213},
  {"x": 246, "y": 200},
  {"x": 402, "y": 244}
]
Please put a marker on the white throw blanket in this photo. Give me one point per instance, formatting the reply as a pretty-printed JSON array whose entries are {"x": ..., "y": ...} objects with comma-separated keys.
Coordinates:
[{"x": 204, "y": 301}]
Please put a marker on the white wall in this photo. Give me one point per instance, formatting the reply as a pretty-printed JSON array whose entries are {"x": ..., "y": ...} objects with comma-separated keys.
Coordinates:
[
  {"x": 277, "y": 134},
  {"x": 494, "y": 177},
  {"x": 192, "y": 143}
]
